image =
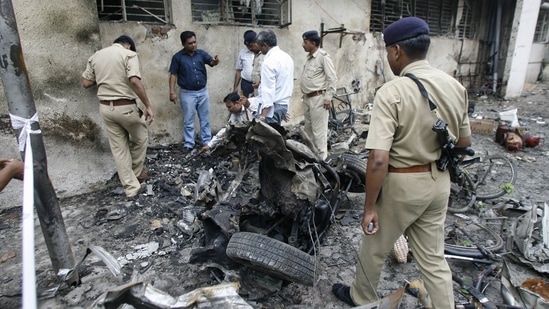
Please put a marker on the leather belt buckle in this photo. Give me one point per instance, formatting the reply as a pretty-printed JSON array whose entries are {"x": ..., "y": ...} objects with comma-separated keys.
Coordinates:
[{"x": 411, "y": 169}]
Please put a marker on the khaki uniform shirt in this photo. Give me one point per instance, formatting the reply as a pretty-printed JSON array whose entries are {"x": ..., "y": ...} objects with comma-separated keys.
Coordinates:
[
  {"x": 256, "y": 71},
  {"x": 319, "y": 74},
  {"x": 402, "y": 122},
  {"x": 111, "y": 69}
]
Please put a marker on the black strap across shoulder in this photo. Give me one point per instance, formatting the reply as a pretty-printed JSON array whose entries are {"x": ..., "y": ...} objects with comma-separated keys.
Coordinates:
[{"x": 423, "y": 91}]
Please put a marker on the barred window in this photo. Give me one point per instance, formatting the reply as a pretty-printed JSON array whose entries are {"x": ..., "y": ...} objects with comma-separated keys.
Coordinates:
[
  {"x": 153, "y": 11},
  {"x": 441, "y": 15},
  {"x": 242, "y": 12},
  {"x": 542, "y": 27},
  {"x": 468, "y": 17}
]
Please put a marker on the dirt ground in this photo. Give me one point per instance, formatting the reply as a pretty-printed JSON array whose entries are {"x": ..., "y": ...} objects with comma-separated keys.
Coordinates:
[{"x": 146, "y": 237}]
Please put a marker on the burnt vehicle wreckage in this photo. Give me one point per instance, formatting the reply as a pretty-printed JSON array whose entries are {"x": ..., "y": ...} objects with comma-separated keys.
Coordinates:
[
  {"x": 251, "y": 214},
  {"x": 275, "y": 225},
  {"x": 255, "y": 209}
]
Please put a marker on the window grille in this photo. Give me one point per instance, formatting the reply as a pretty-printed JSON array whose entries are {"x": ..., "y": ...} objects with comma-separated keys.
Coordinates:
[
  {"x": 153, "y": 11},
  {"x": 242, "y": 12},
  {"x": 439, "y": 14},
  {"x": 470, "y": 16},
  {"x": 542, "y": 27}
]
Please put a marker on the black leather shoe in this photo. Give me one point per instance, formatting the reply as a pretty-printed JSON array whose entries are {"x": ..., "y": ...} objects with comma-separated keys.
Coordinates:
[{"x": 343, "y": 292}]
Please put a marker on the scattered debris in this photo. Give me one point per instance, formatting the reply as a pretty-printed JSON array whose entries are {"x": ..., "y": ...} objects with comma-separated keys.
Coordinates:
[
  {"x": 531, "y": 235},
  {"x": 144, "y": 295},
  {"x": 6, "y": 256}
]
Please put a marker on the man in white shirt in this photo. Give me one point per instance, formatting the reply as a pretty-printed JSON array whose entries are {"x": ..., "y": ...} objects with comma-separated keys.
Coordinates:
[
  {"x": 240, "y": 113},
  {"x": 244, "y": 65},
  {"x": 277, "y": 80}
]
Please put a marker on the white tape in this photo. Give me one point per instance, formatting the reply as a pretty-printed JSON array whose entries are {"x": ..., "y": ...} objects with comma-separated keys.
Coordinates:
[
  {"x": 25, "y": 126},
  {"x": 29, "y": 273}
]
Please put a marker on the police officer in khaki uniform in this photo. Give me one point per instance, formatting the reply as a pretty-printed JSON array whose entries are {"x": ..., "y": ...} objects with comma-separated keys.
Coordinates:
[
  {"x": 403, "y": 151},
  {"x": 115, "y": 71},
  {"x": 256, "y": 70},
  {"x": 318, "y": 83}
]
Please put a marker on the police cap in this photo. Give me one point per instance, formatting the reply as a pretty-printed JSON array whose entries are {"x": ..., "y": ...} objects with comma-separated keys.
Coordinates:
[{"x": 403, "y": 29}]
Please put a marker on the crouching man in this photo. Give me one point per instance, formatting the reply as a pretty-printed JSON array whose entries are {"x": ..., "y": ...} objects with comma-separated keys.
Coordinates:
[{"x": 241, "y": 110}]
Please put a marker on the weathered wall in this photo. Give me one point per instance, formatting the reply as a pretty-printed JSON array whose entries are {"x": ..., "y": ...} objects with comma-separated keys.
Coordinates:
[
  {"x": 59, "y": 36},
  {"x": 225, "y": 41},
  {"x": 545, "y": 73},
  {"x": 520, "y": 45},
  {"x": 361, "y": 56},
  {"x": 536, "y": 63}
]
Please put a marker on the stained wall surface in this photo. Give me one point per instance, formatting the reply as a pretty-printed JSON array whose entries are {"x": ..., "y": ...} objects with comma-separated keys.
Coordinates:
[{"x": 58, "y": 37}]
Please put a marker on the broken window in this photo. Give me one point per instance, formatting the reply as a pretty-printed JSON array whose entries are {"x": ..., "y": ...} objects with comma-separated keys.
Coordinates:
[
  {"x": 441, "y": 15},
  {"x": 468, "y": 15},
  {"x": 153, "y": 11},
  {"x": 542, "y": 26},
  {"x": 242, "y": 12}
]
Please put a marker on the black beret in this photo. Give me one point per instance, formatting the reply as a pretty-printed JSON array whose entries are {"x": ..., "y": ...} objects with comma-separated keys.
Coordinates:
[
  {"x": 249, "y": 37},
  {"x": 126, "y": 39},
  {"x": 403, "y": 29},
  {"x": 311, "y": 35}
]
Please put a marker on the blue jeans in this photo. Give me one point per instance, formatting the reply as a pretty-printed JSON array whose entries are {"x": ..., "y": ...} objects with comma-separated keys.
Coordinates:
[
  {"x": 280, "y": 111},
  {"x": 198, "y": 101}
]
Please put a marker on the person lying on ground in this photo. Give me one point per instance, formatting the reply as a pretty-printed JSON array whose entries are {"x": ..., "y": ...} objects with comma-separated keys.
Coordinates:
[
  {"x": 241, "y": 110},
  {"x": 9, "y": 169}
]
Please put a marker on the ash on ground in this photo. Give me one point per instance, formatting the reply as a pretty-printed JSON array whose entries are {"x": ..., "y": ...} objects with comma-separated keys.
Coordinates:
[{"x": 153, "y": 237}]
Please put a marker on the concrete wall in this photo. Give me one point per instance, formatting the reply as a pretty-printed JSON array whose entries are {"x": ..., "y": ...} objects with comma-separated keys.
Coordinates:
[
  {"x": 58, "y": 37},
  {"x": 354, "y": 60},
  {"x": 536, "y": 63},
  {"x": 520, "y": 45},
  {"x": 361, "y": 56}
]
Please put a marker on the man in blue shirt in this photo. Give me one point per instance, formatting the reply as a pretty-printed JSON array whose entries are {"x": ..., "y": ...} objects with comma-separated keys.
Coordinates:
[{"x": 188, "y": 67}]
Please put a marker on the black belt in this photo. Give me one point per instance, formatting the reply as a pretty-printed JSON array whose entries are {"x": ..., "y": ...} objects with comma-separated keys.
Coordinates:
[{"x": 194, "y": 89}]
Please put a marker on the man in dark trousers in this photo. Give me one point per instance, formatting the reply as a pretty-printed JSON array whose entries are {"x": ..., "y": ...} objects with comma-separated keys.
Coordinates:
[
  {"x": 115, "y": 71},
  {"x": 188, "y": 67},
  {"x": 405, "y": 192},
  {"x": 245, "y": 65},
  {"x": 277, "y": 80}
]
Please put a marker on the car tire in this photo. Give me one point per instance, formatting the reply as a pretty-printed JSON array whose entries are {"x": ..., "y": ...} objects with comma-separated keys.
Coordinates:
[
  {"x": 272, "y": 256},
  {"x": 353, "y": 163}
]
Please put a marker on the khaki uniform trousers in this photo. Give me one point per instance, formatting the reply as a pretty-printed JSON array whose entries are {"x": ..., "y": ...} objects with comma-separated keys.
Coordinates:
[
  {"x": 413, "y": 204},
  {"x": 128, "y": 139},
  {"x": 316, "y": 123}
]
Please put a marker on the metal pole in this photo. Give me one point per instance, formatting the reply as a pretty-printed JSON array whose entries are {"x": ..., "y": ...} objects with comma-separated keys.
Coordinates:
[
  {"x": 496, "y": 48},
  {"x": 13, "y": 74}
]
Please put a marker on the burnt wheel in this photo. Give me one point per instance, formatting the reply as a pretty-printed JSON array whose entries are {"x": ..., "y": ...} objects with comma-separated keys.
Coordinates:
[
  {"x": 354, "y": 167},
  {"x": 273, "y": 257}
]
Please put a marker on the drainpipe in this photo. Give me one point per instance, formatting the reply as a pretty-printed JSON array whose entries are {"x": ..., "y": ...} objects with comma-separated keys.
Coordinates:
[
  {"x": 496, "y": 48},
  {"x": 13, "y": 74}
]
